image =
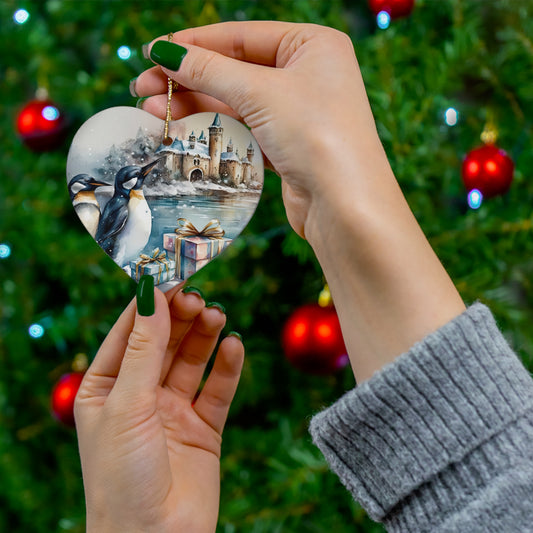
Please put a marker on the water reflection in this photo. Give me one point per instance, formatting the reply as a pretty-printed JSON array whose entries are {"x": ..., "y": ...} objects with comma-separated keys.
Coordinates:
[{"x": 232, "y": 210}]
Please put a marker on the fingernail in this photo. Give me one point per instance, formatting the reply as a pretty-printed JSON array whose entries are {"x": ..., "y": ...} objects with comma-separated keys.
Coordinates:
[
  {"x": 235, "y": 334},
  {"x": 167, "y": 54},
  {"x": 140, "y": 102},
  {"x": 146, "y": 50},
  {"x": 145, "y": 296},
  {"x": 193, "y": 290},
  {"x": 220, "y": 307},
  {"x": 133, "y": 92}
]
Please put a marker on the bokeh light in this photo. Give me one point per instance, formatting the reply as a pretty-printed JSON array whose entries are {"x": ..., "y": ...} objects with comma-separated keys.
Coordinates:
[
  {"x": 124, "y": 52},
  {"x": 21, "y": 16},
  {"x": 451, "y": 116},
  {"x": 50, "y": 112},
  {"x": 36, "y": 331},
  {"x": 383, "y": 20},
  {"x": 5, "y": 251},
  {"x": 475, "y": 199}
]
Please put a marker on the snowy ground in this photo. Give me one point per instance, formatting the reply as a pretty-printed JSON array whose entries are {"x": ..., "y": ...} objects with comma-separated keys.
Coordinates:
[
  {"x": 177, "y": 188},
  {"x": 181, "y": 188}
]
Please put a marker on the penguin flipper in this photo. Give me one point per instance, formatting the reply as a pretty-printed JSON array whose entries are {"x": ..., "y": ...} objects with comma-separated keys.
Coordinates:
[{"x": 112, "y": 221}]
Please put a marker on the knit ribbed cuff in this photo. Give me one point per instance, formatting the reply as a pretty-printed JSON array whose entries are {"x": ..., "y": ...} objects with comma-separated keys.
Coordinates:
[{"x": 430, "y": 410}]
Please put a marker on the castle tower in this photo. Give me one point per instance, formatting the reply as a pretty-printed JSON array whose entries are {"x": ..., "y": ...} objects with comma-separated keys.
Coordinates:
[
  {"x": 215, "y": 146},
  {"x": 250, "y": 152},
  {"x": 230, "y": 146},
  {"x": 202, "y": 139},
  {"x": 192, "y": 140}
]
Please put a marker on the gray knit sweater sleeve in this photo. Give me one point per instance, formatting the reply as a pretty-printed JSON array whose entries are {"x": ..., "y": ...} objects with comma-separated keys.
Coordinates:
[{"x": 440, "y": 440}]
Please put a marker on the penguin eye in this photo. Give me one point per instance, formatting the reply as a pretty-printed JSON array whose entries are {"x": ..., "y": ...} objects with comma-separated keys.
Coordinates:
[{"x": 130, "y": 183}]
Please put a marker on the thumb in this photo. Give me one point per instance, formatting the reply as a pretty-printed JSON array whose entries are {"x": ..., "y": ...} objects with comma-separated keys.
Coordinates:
[
  {"x": 233, "y": 82},
  {"x": 140, "y": 370}
]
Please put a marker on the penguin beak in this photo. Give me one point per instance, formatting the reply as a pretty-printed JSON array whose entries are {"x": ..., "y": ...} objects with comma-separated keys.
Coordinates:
[
  {"x": 96, "y": 183},
  {"x": 148, "y": 168}
]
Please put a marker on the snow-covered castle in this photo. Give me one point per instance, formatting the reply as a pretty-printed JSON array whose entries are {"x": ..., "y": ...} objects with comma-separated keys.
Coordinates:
[{"x": 201, "y": 158}]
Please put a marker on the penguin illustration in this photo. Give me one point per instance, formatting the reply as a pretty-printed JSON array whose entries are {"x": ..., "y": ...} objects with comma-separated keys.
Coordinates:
[
  {"x": 126, "y": 222},
  {"x": 81, "y": 189}
]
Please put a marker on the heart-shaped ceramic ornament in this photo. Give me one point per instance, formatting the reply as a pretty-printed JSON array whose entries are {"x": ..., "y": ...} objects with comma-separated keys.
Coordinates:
[{"x": 163, "y": 208}]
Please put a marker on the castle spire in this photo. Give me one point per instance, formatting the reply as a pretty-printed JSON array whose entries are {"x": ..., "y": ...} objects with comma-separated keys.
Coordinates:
[
  {"x": 250, "y": 152},
  {"x": 192, "y": 140},
  {"x": 215, "y": 146},
  {"x": 216, "y": 122}
]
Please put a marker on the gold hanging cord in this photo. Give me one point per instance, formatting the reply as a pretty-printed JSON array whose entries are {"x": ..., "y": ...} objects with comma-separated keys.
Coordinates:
[{"x": 172, "y": 86}]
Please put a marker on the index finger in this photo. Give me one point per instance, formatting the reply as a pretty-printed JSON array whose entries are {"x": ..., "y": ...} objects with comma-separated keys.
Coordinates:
[{"x": 251, "y": 41}]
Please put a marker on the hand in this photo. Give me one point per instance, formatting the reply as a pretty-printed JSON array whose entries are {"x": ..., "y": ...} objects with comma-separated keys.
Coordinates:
[
  {"x": 149, "y": 452},
  {"x": 299, "y": 88},
  {"x": 310, "y": 114}
]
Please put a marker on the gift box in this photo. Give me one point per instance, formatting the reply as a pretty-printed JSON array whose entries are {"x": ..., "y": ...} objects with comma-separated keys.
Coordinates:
[
  {"x": 192, "y": 249},
  {"x": 158, "y": 265},
  {"x": 197, "y": 248},
  {"x": 186, "y": 267}
]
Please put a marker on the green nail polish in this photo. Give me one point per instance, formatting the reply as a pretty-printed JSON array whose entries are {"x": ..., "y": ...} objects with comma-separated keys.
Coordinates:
[
  {"x": 167, "y": 54},
  {"x": 235, "y": 334},
  {"x": 140, "y": 102},
  {"x": 145, "y": 296},
  {"x": 193, "y": 290},
  {"x": 220, "y": 307},
  {"x": 133, "y": 92}
]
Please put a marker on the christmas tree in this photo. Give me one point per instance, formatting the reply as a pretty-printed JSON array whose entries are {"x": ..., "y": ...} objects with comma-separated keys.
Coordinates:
[{"x": 435, "y": 78}]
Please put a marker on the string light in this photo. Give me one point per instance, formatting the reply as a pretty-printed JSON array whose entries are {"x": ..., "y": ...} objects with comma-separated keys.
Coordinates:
[
  {"x": 451, "y": 116},
  {"x": 475, "y": 199},
  {"x": 5, "y": 251},
  {"x": 36, "y": 331},
  {"x": 383, "y": 20},
  {"x": 21, "y": 16},
  {"x": 124, "y": 52},
  {"x": 50, "y": 112}
]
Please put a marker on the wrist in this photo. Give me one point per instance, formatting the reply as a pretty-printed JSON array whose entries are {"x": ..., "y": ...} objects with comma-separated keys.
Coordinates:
[
  {"x": 102, "y": 519},
  {"x": 349, "y": 195},
  {"x": 389, "y": 287}
]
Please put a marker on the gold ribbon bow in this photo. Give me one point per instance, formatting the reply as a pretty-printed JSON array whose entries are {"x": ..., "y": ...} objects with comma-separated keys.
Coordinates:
[
  {"x": 156, "y": 257},
  {"x": 212, "y": 229}
]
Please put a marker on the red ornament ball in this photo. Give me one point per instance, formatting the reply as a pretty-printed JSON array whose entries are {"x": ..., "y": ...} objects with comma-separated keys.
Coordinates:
[
  {"x": 41, "y": 125},
  {"x": 489, "y": 170},
  {"x": 312, "y": 340},
  {"x": 63, "y": 396},
  {"x": 395, "y": 8}
]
